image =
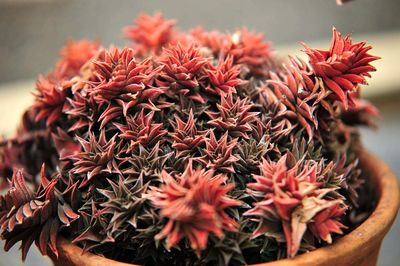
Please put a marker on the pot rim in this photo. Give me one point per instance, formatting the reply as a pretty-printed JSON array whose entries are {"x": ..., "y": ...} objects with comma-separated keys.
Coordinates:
[{"x": 373, "y": 229}]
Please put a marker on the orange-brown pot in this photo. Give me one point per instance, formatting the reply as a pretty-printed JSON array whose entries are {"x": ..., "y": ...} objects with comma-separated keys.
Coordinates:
[{"x": 359, "y": 247}]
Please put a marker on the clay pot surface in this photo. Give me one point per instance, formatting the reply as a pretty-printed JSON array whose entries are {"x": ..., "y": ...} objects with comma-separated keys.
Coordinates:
[{"x": 359, "y": 247}]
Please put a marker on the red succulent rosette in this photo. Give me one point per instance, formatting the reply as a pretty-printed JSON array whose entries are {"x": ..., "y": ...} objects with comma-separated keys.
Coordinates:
[
  {"x": 150, "y": 33},
  {"x": 293, "y": 198},
  {"x": 194, "y": 204},
  {"x": 343, "y": 67}
]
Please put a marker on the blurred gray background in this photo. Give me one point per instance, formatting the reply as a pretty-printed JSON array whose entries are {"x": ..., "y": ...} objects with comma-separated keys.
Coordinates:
[{"x": 32, "y": 31}]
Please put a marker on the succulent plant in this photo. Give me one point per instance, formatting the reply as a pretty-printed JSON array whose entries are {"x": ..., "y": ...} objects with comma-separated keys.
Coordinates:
[{"x": 196, "y": 148}]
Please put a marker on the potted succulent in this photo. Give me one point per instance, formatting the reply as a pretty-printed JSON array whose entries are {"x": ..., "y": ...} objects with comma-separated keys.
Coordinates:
[{"x": 199, "y": 148}]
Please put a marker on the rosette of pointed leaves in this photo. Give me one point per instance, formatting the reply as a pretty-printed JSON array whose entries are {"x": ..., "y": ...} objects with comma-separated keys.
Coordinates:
[
  {"x": 229, "y": 250},
  {"x": 50, "y": 99},
  {"x": 343, "y": 67},
  {"x": 250, "y": 154},
  {"x": 345, "y": 174},
  {"x": 218, "y": 154},
  {"x": 150, "y": 33},
  {"x": 194, "y": 205},
  {"x": 74, "y": 55},
  {"x": 95, "y": 234},
  {"x": 97, "y": 157},
  {"x": 273, "y": 120},
  {"x": 212, "y": 40},
  {"x": 124, "y": 203},
  {"x": 122, "y": 79},
  {"x": 327, "y": 222},
  {"x": 224, "y": 77},
  {"x": 145, "y": 163},
  {"x": 248, "y": 48},
  {"x": 289, "y": 198},
  {"x": 80, "y": 110},
  {"x": 186, "y": 136},
  {"x": 27, "y": 216},
  {"x": 141, "y": 129},
  {"x": 183, "y": 69},
  {"x": 234, "y": 116},
  {"x": 299, "y": 90}
]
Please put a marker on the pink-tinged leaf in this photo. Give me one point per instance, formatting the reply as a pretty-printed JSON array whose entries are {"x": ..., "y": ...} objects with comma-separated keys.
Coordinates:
[
  {"x": 338, "y": 91},
  {"x": 53, "y": 237},
  {"x": 44, "y": 237}
]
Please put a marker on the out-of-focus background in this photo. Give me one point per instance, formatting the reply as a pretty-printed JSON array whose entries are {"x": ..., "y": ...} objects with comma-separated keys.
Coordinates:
[{"x": 32, "y": 31}]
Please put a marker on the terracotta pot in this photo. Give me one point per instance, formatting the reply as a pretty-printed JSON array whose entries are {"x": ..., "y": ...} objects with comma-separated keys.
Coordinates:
[{"x": 359, "y": 247}]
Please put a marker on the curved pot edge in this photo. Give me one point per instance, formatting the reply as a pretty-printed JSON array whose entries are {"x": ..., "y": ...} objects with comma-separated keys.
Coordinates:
[{"x": 365, "y": 239}]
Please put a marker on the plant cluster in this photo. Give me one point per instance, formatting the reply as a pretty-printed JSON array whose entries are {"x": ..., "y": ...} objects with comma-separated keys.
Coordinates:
[{"x": 188, "y": 149}]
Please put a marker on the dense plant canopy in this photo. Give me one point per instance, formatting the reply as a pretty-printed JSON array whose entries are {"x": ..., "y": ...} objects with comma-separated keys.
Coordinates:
[{"x": 189, "y": 149}]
